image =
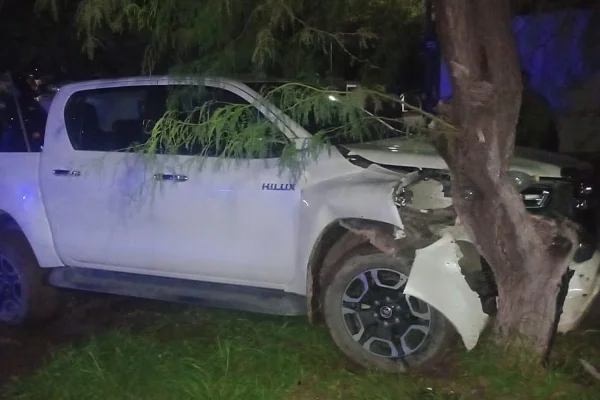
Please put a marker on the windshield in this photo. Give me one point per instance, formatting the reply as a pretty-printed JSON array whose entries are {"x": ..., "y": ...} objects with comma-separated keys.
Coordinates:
[{"x": 373, "y": 122}]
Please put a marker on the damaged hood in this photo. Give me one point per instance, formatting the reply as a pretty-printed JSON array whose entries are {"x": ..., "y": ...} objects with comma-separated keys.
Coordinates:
[{"x": 419, "y": 153}]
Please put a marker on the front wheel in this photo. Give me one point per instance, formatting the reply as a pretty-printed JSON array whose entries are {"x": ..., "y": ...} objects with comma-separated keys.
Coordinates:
[{"x": 375, "y": 324}]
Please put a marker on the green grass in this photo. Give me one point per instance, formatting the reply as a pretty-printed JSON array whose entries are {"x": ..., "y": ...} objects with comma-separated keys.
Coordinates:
[{"x": 213, "y": 355}]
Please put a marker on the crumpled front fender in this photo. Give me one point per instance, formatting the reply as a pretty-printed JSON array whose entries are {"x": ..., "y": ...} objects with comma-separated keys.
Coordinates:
[{"x": 437, "y": 279}]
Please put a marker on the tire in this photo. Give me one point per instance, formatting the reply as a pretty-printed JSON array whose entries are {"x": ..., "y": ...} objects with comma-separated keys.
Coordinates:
[
  {"x": 432, "y": 338},
  {"x": 25, "y": 297}
]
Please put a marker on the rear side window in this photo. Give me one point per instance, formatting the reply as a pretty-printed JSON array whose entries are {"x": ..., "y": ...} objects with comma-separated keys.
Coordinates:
[
  {"x": 118, "y": 119},
  {"x": 113, "y": 119}
]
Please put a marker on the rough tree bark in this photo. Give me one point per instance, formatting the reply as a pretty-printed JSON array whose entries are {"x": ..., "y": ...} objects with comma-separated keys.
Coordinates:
[{"x": 528, "y": 255}]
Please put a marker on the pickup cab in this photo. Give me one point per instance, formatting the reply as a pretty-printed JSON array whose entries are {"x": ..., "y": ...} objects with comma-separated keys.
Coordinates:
[{"x": 364, "y": 241}]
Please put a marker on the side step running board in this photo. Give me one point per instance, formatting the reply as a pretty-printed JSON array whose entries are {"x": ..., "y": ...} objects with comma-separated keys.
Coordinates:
[{"x": 245, "y": 298}]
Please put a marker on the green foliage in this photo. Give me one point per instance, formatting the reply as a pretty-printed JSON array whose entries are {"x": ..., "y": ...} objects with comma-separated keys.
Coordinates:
[
  {"x": 288, "y": 38},
  {"x": 195, "y": 124},
  {"x": 304, "y": 41},
  {"x": 196, "y": 354}
]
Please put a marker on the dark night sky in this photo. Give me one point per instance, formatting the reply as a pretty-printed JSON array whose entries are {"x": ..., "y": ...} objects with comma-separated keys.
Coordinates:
[{"x": 32, "y": 40}]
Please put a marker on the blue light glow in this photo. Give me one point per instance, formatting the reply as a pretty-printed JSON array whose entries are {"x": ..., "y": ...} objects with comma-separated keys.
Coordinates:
[{"x": 551, "y": 49}]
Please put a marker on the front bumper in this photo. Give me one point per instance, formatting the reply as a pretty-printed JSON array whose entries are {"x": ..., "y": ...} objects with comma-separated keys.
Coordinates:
[{"x": 438, "y": 279}]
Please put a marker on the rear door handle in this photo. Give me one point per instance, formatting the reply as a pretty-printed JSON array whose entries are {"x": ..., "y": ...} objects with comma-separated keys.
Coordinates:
[
  {"x": 66, "y": 172},
  {"x": 170, "y": 177}
]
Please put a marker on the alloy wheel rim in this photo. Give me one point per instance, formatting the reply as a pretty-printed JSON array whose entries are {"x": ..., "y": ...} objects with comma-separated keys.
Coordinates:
[{"x": 381, "y": 318}]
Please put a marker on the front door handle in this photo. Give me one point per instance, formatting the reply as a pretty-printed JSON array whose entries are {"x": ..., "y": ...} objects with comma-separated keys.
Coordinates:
[
  {"x": 170, "y": 177},
  {"x": 66, "y": 172}
]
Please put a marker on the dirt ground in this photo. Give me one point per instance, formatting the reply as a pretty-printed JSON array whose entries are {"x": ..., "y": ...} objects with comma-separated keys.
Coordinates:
[{"x": 23, "y": 351}]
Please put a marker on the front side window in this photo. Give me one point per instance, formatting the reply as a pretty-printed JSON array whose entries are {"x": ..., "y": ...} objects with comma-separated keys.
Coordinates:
[{"x": 221, "y": 123}]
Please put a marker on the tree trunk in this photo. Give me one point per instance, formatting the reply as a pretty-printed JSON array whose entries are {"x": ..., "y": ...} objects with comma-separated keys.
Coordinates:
[{"x": 528, "y": 255}]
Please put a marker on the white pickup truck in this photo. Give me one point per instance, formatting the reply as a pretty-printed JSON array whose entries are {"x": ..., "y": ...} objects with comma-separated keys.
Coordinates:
[{"x": 366, "y": 240}]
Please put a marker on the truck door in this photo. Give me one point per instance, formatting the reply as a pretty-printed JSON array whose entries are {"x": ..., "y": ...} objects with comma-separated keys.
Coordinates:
[
  {"x": 94, "y": 187},
  {"x": 229, "y": 220}
]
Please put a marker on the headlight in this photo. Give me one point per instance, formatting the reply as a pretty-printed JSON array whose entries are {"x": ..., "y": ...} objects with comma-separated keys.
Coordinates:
[
  {"x": 585, "y": 189},
  {"x": 536, "y": 197},
  {"x": 583, "y": 196}
]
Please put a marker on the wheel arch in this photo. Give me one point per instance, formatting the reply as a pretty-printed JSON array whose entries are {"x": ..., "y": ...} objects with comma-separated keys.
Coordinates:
[
  {"x": 40, "y": 239},
  {"x": 7, "y": 221},
  {"x": 344, "y": 235},
  {"x": 36, "y": 302},
  {"x": 335, "y": 240}
]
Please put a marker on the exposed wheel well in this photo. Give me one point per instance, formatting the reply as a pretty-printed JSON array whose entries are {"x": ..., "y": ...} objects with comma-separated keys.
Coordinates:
[
  {"x": 343, "y": 236},
  {"x": 334, "y": 243}
]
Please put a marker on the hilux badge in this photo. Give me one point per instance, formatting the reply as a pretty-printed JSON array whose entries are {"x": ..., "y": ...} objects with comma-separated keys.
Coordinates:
[{"x": 279, "y": 186}]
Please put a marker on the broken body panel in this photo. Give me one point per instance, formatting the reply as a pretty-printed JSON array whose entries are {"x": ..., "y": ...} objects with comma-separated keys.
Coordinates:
[
  {"x": 437, "y": 279},
  {"x": 446, "y": 265}
]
